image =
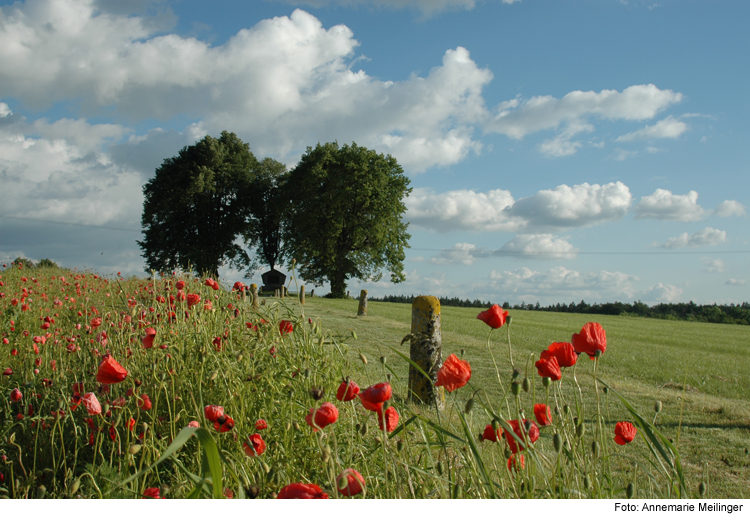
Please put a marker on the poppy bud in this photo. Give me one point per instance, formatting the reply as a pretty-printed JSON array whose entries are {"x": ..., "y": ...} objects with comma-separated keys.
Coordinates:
[
  {"x": 134, "y": 449},
  {"x": 164, "y": 490},
  {"x": 363, "y": 430},
  {"x": 580, "y": 429},
  {"x": 252, "y": 492},
  {"x": 629, "y": 490},
  {"x": 566, "y": 408},
  {"x": 265, "y": 467},
  {"x": 399, "y": 445},
  {"x": 546, "y": 381},
  {"x": 356, "y": 427},
  {"x": 702, "y": 489},
  {"x": 507, "y": 453},
  {"x": 388, "y": 377},
  {"x": 516, "y": 373},
  {"x": 75, "y": 486},
  {"x": 515, "y": 388},
  {"x": 317, "y": 392},
  {"x": 363, "y": 358},
  {"x": 386, "y": 405},
  {"x": 508, "y": 320},
  {"x": 213, "y": 375},
  {"x": 296, "y": 426},
  {"x": 40, "y": 492},
  {"x": 657, "y": 406},
  {"x": 586, "y": 482},
  {"x": 383, "y": 360},
  {"x": 606, "y": 390},
  {"x": 325, "y": 456},
  {"x": 595, "y": 448},
  {"x": 526, "y": 385},
  {"x": 469, "y": 406},
  {"x": 557, "y": 442},
  {"x": 440, "y": 468}
]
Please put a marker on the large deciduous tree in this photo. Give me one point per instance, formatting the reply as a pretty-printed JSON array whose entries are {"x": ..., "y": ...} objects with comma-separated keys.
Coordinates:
[
  {"x": 267, "y": 210},
  {"x": 344, "y": 215},
  {"x": 196, "y": 206}
]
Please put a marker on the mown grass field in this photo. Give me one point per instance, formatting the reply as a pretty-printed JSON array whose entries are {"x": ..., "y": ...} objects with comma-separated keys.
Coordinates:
[{"x": 700, "y": 371}]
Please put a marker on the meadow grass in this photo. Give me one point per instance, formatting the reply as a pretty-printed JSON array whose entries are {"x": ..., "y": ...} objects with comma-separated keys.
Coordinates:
[{"x": 59, "y": 325}]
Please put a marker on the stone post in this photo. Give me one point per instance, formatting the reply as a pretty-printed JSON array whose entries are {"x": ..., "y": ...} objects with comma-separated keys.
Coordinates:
[
  {"x": 362, "y": 310},
  {"x": 276, "y": 293},
  {"x": 302, "y": 294},
  {"x": 254, "y": 294},
  {"x": 426, "y": 351},
  {"x": 312, "y": 293},
  {"x": 244, "y": 295}
]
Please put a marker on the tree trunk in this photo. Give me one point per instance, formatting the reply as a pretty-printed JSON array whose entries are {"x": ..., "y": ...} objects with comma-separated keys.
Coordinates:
[{"x": 338, "y": 286}]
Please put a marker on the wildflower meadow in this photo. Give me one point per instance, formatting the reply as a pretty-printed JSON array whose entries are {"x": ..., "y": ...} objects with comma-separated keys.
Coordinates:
[{"x": 176, "y": 387}]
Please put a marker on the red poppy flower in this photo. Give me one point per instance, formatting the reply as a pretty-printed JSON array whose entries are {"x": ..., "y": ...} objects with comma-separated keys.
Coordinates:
[
  {"x": 148, "y": 340},
  {"x": 492, "y": 435},
  {"x": 110, "y": 372},
  {"x": 624, "y": 432},
  {"x": 194, "y": 424},
  {"x": 91, "y": 403},
  {"x": 350, "y": 482},
  {"x": 391, "y": 419},
  {"x": 144, "y": 403},
  {"x": 302, "y": 491},
  {"x": 516, "y": 462},
  {"x": 217, "y": 343},
  {"x": 131, "y": 424},
  {"x": 285, "y": 327},
  {"x": 564, "y": 353},
  {"x": 454, "y": 373},
  {"x": 224, "y": 424},
  {"x": 180, "y": 284},
  {"x": 16, "y": 395},
  {"x": 152, "y": 493},
  {"x": 112, "y": 433},
  {"x": 532, "y": 435},
  {"x": 96, "y": 322},
  {"x": 261, "y": 424},
  {"x": 543, "y": 414},
  {"x": 347, "y": 391},
  {"x": 254, "y": 446},
  {"x": 213, "y": 412},
  {"x": 325, "y": 415},
  {"x": 193, "y": 299},
  {"x": 8, "y": 372},
  {"x": 238, "y": 286},
  {"x": 252, "y": 326},
  {"x": 212, "y": 284},
  {"x": 591, "y": 338},
  {"x": 374, "y": 396},
  {"x": 549, "y": 368},
  {"x": 494, "y": 317}
]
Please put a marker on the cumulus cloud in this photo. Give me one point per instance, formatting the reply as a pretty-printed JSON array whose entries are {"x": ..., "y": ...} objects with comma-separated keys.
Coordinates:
[
  {"x": 517, "y": 118},
  {"x": 559, "y": 208},
  {"x": 663, "y": 205},
  {"x": 665, "y": 293},
  {"x": 538, "y": 246},
  {"x": 461, "y": 210},
  {"x": 713, "y": 265},
  {"x": 736, "y": 281},
  {"x": 706, "y": 236},
  {"x": 428, "y": 7},
  {"x": 562, "y": 282},
  {"x": 461, "y": 253},
  {"x": 281, "y": 85},
  {"x": 669, "y": 128},
  {"x": 729, "y": 208},
  {"x": 576, "y": 206}
]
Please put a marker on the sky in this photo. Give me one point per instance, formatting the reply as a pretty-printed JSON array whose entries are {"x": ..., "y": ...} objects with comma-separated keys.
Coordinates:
[{"x": 558, "y": 151}]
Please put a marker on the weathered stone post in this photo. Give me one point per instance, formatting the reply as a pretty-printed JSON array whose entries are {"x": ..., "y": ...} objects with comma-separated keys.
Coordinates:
[
  {"x": 254, "y": 294},
  {"x": 283, "y": 292},
  {"x": 302, "y": 294},
  {"x": 312, "y": 293},
  {"x": 276, "y": 293},
  {"x": 426, "y": 351},
  {"x": 362, "y": 309},
  {"x": 244, "y": 295}
]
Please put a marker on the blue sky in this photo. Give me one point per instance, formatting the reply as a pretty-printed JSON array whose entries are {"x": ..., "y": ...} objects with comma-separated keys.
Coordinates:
[{"x": 559, "y": 150}]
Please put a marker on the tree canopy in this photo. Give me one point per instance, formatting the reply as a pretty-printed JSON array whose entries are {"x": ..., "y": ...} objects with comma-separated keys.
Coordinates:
[
  {"x": 344, "y": 215},
  {"x": 267, "y": 211},
  {"x": 196, "y": 206}
]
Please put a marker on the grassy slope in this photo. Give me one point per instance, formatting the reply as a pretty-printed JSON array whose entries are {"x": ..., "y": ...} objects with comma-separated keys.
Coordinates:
[{"x": 646, "y": 360}]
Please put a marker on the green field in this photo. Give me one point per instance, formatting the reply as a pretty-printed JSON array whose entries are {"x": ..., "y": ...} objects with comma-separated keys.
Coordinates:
[{"x": 700, "y": 370}]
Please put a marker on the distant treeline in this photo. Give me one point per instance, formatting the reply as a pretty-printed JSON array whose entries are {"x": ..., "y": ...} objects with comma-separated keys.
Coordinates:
[{"x": 719, "y": 314}]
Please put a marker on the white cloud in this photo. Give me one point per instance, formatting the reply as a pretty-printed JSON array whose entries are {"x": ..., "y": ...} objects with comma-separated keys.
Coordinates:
[
  {"x": 461, "y": 253},
  {"x": 281, "y": 85},
  {"x": 665, "y": 293},
  {"x": 561, "y": 282},
  {"x": 428, "y": 7},
  {"x": 561, "y": 145},
  {"x": 538, "y": 246},
  {"x": 669, "y": 128},
  {"x": 576, "y": 206},
  {"x": 729, "y": 208},
  {"x": 517, "y": 119},
  {"x": 461, "y": 210},
  {"x": 706, "y": 236},
  {"x": 713, "y": 265},
  {"x": 736, "y": 281},
  {"x": 663, "y": 205}
]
